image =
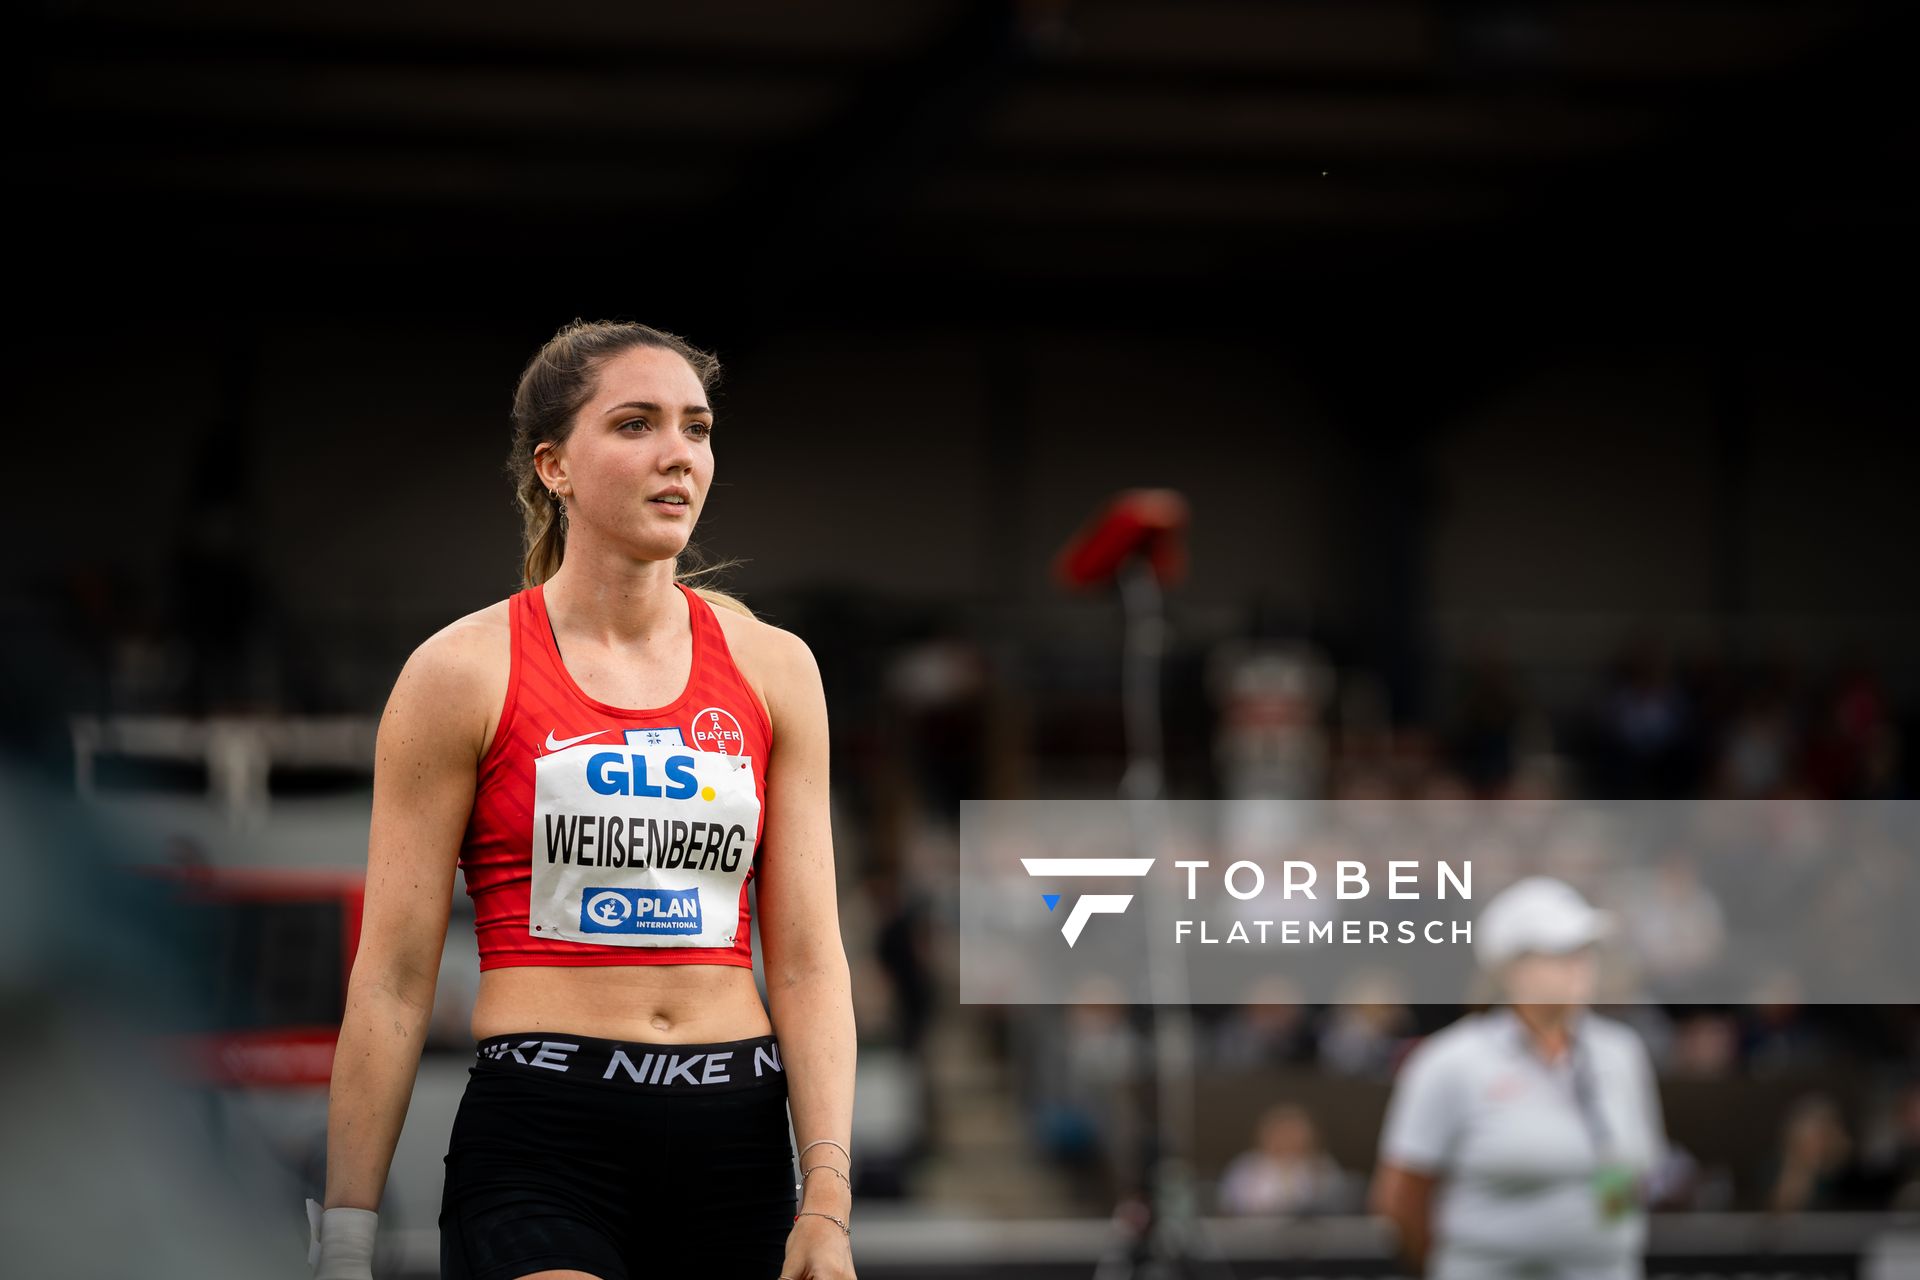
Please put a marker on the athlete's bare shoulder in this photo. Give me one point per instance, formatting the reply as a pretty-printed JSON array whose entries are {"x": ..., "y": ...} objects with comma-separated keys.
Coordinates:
[
  {"x": 458, "y": 675},
  {"x": 771, "y": 658}
]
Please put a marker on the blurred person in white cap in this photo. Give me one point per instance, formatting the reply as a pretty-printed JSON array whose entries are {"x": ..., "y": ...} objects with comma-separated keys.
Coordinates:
[{"x": 1518, "y": 1141}]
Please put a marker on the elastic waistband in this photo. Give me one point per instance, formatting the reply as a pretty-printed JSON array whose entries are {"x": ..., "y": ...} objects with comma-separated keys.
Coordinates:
[{"x": 646, "y": 1068}]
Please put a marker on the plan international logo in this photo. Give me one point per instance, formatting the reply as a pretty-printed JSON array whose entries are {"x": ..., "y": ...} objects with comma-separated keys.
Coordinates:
[{"x": 1091, "y": 903}]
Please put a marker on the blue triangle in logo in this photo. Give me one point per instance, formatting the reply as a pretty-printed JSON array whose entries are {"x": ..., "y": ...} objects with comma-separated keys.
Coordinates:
[{"x": 1051, "y": 899}]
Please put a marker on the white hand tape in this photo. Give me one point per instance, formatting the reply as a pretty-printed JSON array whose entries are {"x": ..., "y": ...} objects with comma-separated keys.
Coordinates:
[{"x": 340, "y": 1242}]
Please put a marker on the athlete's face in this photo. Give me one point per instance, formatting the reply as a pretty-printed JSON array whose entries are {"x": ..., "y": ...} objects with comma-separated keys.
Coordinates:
[
  {"x": 645, "y": 432},
  {"x": 1569, "y": 978}
]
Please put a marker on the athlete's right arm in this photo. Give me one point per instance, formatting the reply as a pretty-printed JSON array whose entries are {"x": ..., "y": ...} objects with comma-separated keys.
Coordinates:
[{"x": 428, "y": 748}]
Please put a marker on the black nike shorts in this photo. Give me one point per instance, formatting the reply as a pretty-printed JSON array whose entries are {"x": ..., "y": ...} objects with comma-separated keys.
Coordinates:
[{"x": 621, "y": 1159}]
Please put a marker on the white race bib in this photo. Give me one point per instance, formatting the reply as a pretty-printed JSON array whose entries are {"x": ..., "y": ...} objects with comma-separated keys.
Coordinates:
[{"x": 641, "y": 845}]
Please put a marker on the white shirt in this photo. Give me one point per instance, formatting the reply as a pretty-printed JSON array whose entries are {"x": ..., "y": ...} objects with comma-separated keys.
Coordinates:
[{"x": 1476, "y": 1106}]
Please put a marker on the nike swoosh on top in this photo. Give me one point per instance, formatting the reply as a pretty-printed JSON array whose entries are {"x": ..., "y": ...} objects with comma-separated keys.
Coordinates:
[{"x": 561, "y": 744}]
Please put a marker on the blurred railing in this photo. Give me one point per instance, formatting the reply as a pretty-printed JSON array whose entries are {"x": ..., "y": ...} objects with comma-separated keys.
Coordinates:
[{"x": 891, "y": 1243}]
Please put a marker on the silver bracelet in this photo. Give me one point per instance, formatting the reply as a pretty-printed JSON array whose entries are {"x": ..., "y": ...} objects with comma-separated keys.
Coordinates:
[
  {"x": 817, "y": 1141},
  {"x": 841, "y": 1222},
  {"x": 830, "y": 1169}
]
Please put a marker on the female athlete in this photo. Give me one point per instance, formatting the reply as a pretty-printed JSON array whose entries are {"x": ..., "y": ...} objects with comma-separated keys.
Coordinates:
[{"x": 610, "y": 758}]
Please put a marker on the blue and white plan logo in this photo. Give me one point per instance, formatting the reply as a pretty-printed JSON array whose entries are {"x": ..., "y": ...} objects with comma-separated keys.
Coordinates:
[{"x": 639, "y": 910}]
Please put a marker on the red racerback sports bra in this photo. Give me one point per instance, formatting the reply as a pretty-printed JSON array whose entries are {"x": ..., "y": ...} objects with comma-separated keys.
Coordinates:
[{"x": 608, "y": 835}]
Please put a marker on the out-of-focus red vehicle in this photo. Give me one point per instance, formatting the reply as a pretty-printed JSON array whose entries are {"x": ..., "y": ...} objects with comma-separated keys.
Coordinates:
[{"x": 270, "y": 951}]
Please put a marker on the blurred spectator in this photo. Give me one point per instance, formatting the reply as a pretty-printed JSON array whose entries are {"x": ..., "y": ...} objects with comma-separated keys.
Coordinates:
[
  {"x": 1483, "y": 740},
  {"x": 891, "y": 932},
  {"x": 938, "y": 686},
  {"x": 1853, "y": 750},
  {"x": 889, "y": 1121},
  {"x": 1815, "y": 1168},
  {"x": 1363, "y": 1033},
  {"x": 1756, "y": 752},
  {"x": 1523, "y": 1141},
  {"x": 1286, "y": 1172},
  {"x": 1894, "y": 1161},
  {"x": 1646, "y": 741},
  {"x": 223, "y": 602},
  {"x": 1680, "y": 1182},
  {"x": 1673, "y": 920},
  {"x": 1270, "y": 1028},
  {"x": 1776, "y": 1035},
  {"x": 1270, "y": 692},
  {"x": 1705, "y": 1045},
  {"x": 1085, "y": 1067},
  {"x": 876, "y": 1004},
  {"x": 1651, "y": 1022}
]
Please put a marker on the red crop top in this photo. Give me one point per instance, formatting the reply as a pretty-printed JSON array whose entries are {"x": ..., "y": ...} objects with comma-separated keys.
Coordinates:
[{"x": 607, "y": 835}]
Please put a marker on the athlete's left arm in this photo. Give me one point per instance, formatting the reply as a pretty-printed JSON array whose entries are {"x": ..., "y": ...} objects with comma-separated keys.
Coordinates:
[{"x": 809, "y": 985}]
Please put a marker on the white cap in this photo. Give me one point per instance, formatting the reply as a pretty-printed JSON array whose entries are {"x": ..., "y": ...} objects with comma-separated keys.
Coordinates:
[{"x": 1538, "y": 913}]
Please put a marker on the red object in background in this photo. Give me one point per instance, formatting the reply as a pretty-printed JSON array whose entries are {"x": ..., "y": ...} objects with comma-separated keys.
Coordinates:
[
  {"x": 279, "y": 951},
  {"x": 255, "y": 1058},
  {"x": 1152, "y": 522}
]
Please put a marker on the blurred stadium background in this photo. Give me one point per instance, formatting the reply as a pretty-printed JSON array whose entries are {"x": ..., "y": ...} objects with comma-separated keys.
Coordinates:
[{"x": 1534, "y": 372}]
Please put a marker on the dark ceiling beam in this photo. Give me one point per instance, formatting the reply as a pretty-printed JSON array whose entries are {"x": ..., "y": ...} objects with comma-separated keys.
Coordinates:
[
  {"x": 69, "y": 43},
  {"x": 806, "y": 208},
  {"x": 96, "y": 132},
  {"x": 1756, "y": 153},
  {"x": 159, "y": 131},
  {"x": 846, "y": 200},
  {"x": 124, "y": 38}
]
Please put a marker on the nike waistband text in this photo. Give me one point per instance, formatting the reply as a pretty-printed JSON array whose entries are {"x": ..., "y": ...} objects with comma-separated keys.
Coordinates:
[{"x": 646, "y": 1067}]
